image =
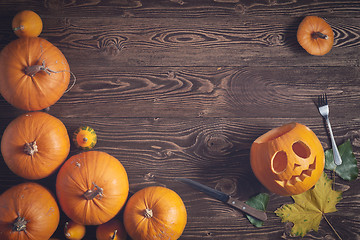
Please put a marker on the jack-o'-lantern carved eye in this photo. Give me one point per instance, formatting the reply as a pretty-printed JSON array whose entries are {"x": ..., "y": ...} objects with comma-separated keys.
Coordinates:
[
  {"x": 279, "y": 162},
  {"x": 301, "y": 149},
  {"x": 288, "y": 160}
]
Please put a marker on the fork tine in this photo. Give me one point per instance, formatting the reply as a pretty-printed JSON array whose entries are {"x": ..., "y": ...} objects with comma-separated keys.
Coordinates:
[
  {"x": 325, "y": 99},
  {"x": 320, "y": 100}
]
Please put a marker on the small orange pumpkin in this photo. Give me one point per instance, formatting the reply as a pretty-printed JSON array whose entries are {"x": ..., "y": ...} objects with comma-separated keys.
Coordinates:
[
  {"x": 315, "y": 35},
  {"x": 92, "y": 187},
  {"x": 288, "y": 160},
  {"x": 155, "y": 213},
  {"x": 35, "y": 144},
  {"x": 84, "y": 137},
  {"x": 28, "y": 212},
  {"x": 34, "y": 73},
  {"x": 111, "y": 230},
  {"x": 27, "y": 24},
  {"x": 74, "y": 231}
]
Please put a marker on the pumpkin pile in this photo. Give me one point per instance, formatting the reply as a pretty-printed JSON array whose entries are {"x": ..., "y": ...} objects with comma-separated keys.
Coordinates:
[
  {"x": 91, "y": 186},
  {"x": 34, "y": 73}
]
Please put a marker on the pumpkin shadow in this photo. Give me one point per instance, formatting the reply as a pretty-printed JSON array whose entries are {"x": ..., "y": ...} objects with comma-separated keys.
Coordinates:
[{"x": 290, "y": 36}]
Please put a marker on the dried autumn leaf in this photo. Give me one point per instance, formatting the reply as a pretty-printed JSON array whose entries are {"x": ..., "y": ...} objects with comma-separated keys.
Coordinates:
[{"x": 310, "y": 206}]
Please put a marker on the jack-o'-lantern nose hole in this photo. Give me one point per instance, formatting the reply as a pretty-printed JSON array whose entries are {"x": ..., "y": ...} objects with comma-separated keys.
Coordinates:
[
  {"x": 279, "y": 162},
  {"x": 301, "y": 149}
]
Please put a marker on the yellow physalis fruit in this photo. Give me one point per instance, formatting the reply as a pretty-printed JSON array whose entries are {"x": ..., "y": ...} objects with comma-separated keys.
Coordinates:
[
  {"x": 74, "y": 231},
  {"x": 27, "y": 24},
  {"x": 85, "y": 137}
]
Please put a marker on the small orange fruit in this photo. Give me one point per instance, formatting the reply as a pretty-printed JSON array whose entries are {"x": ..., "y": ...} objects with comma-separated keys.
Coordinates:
[
  {"x": 111, "y": 230},
  {"x": 74, "y": 231},
  {"x": 27, "y": 24}
]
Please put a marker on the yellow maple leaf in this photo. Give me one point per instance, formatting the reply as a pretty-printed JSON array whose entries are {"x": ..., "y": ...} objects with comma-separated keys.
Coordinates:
[{"x": 310, "y": 206}]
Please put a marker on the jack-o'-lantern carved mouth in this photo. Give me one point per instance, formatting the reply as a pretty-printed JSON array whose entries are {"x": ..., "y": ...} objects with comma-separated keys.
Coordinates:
[
  {"x": 298, "y": 178},
  {"x": 280, "y": 163}
]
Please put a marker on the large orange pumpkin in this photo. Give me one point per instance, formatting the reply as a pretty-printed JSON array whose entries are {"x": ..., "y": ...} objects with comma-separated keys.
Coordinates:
[
  {"x": 155, "y": 213},
  {"x": 92, "y": 187},
  {"x": 34, "y": 73},
  {"x": 35, "y": 144},
  {"x": 288, "y": 160},
  {"x": 28, "y": 211},
  {"x": 315, "y": 35}
]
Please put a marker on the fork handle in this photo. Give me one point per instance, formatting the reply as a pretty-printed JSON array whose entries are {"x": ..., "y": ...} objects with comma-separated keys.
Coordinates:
[{"x": 337, "y": 158}]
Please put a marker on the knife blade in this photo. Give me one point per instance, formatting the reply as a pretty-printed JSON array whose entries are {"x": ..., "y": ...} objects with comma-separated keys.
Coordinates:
[{"x": 242, "y": 206}]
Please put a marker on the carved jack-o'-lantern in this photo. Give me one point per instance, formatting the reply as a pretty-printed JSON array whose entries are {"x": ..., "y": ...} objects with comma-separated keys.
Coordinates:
[{"x": 288, "y": 160}]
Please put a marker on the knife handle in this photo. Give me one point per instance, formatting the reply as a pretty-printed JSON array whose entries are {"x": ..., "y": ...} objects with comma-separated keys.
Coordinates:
[{"x": 261, "y": 215}]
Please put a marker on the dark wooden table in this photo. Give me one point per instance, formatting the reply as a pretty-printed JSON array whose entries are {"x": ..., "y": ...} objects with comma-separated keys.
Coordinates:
[{"x": 181, "y": 88}]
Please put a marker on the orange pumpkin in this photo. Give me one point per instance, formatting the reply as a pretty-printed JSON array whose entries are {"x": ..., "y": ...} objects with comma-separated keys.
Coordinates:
[
  {"x": 34, "y": 145},
  {"x": 155, "y": 213},
  {"x": 92, "y": 187},
  {"x": 74, "y": 231},
  {"x": 288, "y": 160},
  {"x": 111, "y": 230},
  {"x": 28, "y": 212},
  {"x": 315, "y": 35},
  {"x": 34, "y": 73},
  {"x": 27, "y": 24}
]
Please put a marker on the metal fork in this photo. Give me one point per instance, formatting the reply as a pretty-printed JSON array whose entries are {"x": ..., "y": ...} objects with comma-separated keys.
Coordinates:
[{"x": 324, "y": 111}]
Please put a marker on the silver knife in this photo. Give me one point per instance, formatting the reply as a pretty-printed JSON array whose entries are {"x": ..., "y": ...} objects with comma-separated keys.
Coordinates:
[{"x": 261, "y": 215}]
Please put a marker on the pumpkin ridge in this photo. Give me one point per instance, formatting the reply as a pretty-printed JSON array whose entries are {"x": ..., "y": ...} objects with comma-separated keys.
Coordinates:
[
  {"x": 157, "y": 200},
  {"x": 71, "y": 177}
]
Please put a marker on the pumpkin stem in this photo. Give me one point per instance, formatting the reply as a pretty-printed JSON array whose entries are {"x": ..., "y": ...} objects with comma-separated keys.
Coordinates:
[
  {"x": 93, "y": 193},
  {"x": 19, "y": 224},
  {"x": 32, "y": 70},
  {"x": 114, "y": 235},
  {"x": 148, "y": 213},
  {"x": 30, "y": 148},
  {"x": 21, "y": 27},
  {"x": 316, "y": 35}
]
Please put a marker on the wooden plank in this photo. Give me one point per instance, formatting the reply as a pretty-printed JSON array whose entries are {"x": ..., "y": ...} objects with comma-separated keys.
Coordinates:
[
  {"x": 232, "y": 41},
  {"x": 263, "y": 92},
  {"x": 207, "y": 149},
  {"x": 184, "y": 8}
]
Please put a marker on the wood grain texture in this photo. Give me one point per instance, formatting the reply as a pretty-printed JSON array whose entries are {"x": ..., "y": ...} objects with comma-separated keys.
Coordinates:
[
  {"x": 217, "y": 42},
  {"x": 181, "y": 88},
  {"x": 185, "y": 8},
  {"x": 261, "y": 92}
]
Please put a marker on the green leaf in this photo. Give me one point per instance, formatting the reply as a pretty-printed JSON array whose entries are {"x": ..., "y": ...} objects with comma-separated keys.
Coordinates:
[
  {"x": 259, "y": 202},
  {"x": 309, "y": 207},
  {"x": 348, "y": 170}
]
